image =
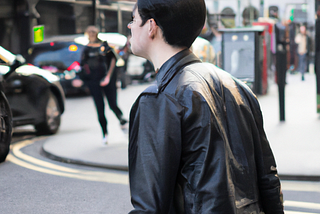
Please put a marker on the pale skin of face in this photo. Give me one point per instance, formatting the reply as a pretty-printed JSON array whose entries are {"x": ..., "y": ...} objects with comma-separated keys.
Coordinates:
[
  {"x": 92, "y": 36},
  {"x": 303, "y": 29},
  {"x": 147, "y": 41},
  {"x": 303, "y": 32}
]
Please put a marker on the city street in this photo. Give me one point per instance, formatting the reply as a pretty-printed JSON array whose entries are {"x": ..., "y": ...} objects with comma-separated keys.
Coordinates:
[
  {"x": 36, "y": 184},
  {"x": 33, "y": 183},
  {"x": 73, "y": 171}
]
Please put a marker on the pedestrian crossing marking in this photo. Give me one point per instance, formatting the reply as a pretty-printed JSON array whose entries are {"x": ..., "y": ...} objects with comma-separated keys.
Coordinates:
[
  {"x": 301, "y": 186},
  {"x": 296, "y": 212},
  {"x": 300, "y": 204}
]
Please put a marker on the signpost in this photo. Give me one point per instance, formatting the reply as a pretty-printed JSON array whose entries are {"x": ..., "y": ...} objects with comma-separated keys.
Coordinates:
[
  {"x": 94, "y": 11},
  {"x": 281, "y": 63},
  {"x": 317, "y": 51},
  {"x": 38, "y": 33}
]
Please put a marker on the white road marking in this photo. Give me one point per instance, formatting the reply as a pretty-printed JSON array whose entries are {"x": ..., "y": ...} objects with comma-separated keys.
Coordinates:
[
  {"x": 300, "y": 204},
  {"x": 296, "y": 212},
  {"x": 306, "y": 186}
]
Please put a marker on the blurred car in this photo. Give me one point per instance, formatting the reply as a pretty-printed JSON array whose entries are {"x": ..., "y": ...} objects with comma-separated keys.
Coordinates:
[
  {"x": 56, "y": 55},
  {"x": 204, "y": 50},
  {"x": 140, "y": 69},
  {"x": 61, "y": 56},
  {"x": 35, "y": 95},
  {"x": 5, "y": 124}
]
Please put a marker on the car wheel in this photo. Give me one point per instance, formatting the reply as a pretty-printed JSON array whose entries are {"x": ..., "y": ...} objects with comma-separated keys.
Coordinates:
[
  {"x": 5, "y": 127},
  {"x": 51, "y": 117}
]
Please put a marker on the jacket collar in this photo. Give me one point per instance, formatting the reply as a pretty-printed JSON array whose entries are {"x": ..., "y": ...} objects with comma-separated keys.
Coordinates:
[{"x": 173, "y": 65}]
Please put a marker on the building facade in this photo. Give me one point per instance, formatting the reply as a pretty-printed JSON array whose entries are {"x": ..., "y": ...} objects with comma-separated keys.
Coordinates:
[
  {"x": 59, "y": 17},
  {"x": 302, "y": 10},
  {"x": 18, "y": 19}
]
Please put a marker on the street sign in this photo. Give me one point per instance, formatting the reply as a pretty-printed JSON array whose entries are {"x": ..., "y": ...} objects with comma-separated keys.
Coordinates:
[{"x": 38, "y": 33}]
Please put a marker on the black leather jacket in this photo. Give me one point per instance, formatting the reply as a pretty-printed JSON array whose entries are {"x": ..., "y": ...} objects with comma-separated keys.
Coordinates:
[{"x": 197, "y": 145}]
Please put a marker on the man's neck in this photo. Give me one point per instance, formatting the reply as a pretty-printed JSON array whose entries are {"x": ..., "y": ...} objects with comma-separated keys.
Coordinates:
[{"x": 162, "y": 53}]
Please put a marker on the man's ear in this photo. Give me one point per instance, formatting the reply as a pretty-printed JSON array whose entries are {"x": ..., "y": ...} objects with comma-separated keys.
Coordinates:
[{"x": 153, "y": 28}]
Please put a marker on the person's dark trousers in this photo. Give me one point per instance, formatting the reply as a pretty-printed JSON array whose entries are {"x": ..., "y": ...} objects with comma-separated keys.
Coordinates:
[
  {"x": 110, "y": 91},
  {"x": 302, "y": 68}
]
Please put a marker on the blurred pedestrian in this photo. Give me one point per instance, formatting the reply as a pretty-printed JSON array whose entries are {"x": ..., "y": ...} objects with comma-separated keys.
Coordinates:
[
  {"x": 292, "y": 45},
  {"x": 196, "y": 137},
  {"x": 302, "y": 41},
  {"x": 124, "y": 52},
  {"x": 98, "y": 63}
]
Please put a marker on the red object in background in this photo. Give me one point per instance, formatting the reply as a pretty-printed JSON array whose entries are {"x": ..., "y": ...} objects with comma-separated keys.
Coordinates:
[
  {"x": 264, "y": 67},
  {"x": 266, "y": 57},
  {"x": 50, "y": 68},
  {"x": 74, "y": 66}
]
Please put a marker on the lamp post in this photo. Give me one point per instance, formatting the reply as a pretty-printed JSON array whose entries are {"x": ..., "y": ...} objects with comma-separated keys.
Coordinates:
[
  {"x": 281, "y": 62},
  {"x": 261, "y": 8},
  {"x": 239, "y": 14},
  {"x": 317, "y": 51},
  {"x": 251, "y": 15},
  {"x": 93, "y": 21}
]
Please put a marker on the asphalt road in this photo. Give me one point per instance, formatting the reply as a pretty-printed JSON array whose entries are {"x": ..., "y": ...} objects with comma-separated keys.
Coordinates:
[{"x": 32, "y": 183}]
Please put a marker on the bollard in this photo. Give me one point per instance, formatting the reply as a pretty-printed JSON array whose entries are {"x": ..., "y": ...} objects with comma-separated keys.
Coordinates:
[
  {"x": 281, "y": 66},
  {"x": 317, "y": 52}
]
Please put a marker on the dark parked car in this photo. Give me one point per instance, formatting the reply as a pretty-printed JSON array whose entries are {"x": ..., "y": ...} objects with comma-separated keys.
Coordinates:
[
  {"x": 35, "y": 95},
  {"x": 5, "y": 124},
  {"x": 61, "y": 56}
]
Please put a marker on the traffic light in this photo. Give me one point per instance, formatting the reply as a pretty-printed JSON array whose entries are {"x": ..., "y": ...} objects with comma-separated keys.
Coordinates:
[{"x": 292, "y": 14}]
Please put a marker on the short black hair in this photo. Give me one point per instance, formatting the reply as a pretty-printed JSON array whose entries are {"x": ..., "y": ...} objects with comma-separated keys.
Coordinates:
[{"x": 181, "y": 21}]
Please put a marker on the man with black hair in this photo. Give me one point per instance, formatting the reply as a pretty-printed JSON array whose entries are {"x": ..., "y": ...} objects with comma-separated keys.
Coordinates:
[{"x": 196, "y": 137}]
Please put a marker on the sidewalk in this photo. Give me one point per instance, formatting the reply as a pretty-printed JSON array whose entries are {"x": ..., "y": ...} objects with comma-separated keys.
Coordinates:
[{"x": 295, "y": 142}]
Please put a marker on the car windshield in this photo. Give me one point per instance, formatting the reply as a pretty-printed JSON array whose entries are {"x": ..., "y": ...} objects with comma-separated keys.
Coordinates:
[{"x": 60, "y": 58}]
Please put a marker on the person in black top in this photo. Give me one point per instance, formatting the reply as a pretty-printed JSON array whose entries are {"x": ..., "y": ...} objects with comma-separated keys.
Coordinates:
[{"x": 98, "y": 73}]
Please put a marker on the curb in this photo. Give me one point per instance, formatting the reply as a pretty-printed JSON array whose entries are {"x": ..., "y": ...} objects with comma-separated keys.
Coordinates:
[
  {"x": 313, "y": 178},
  {"x": 81, "y": 162},
  {"x": 125, "y": 168}
]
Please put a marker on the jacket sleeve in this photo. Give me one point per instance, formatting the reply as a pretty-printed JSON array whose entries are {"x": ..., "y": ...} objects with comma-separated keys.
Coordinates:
[
  {"x": 154, "y": 153},
  {"x": 268, "y": 180}
]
